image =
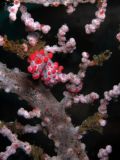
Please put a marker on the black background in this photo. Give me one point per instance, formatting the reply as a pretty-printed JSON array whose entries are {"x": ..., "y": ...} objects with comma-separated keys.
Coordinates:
[{"x": 98, "y": 79}]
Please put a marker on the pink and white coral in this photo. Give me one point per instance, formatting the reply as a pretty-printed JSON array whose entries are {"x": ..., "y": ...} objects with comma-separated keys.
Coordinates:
[{"x": 56, "y": 124}]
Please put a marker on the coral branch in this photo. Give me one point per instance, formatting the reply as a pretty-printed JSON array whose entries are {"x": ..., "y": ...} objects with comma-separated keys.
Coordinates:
[
  {"x": 50, "y": 114},
  {"x": 15, "y": 143},
  {"x": 22, "y": 49},
  {"x": 60, "y": 128},
  {"x": 91, "y": 124},
  {"x": 16, "y": 128}
]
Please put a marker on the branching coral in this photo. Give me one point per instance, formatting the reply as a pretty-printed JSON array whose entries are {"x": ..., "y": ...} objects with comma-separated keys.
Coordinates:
[
  {"x": 71, "y": 5},
  {"x": 54, "y": 122}
]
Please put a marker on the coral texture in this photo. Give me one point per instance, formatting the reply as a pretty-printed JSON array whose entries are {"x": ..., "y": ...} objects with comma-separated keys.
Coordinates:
[{"x": 44, "y": 72}]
